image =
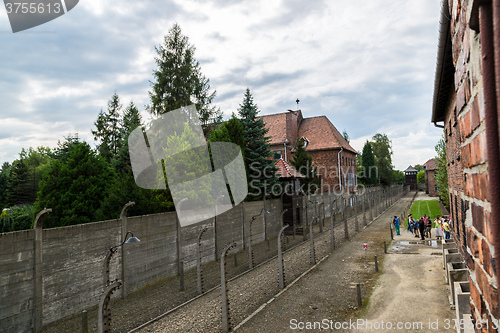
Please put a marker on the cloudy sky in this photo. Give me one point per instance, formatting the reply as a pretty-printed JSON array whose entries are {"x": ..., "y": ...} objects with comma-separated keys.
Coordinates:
[{"x": 367, "y": 65}]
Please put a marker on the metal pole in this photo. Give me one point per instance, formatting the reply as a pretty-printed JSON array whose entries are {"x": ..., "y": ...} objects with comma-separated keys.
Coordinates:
[
  {"x": 281, "y": 268},
  {"x": 226, "y": 324}
]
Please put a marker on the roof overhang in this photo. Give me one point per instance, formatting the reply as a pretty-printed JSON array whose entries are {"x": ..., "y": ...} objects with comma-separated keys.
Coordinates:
[{"x": 445, "y": 70}]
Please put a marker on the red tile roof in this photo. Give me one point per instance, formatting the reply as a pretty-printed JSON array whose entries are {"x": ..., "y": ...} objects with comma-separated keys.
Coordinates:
[
  {"x": 319, "y": 131},
  {"x": 285, "y": 170},
  {"x": 322, "y": 134},
  {"x": 276, "y": 123},
  {"x": 430, "y": 164}
]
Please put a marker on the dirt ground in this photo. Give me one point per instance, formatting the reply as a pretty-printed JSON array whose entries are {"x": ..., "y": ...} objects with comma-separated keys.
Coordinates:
[{"x": 409, "y": 288}]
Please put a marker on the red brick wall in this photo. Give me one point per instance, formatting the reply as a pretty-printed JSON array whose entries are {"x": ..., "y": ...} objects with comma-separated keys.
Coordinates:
[
  {"x": 430, "y": 182},
  {"x": 468, "y": 166}
]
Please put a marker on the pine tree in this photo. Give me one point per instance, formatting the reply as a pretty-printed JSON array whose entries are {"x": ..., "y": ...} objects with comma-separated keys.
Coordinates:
[
  {"x": 131, "y": 120},
  {"x": 260, "y": 166},
  {"x": 4, "y": 177},
  {"x": 108, "y": 132},
  {"x": 442, "y": 172},
  {"x": 303, "y": 163},
  {"x": 178, "y": 80}
]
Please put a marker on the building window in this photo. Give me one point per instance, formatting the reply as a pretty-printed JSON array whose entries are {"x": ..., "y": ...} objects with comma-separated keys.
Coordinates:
[{"x": 277, "y": 155}]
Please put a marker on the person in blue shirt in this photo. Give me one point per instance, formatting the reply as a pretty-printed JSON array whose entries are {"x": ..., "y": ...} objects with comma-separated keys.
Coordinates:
[{"x": 396, "y": 224}]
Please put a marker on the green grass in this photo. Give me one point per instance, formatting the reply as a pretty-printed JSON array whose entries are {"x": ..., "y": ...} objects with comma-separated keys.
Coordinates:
[{"x": 427, "y": 207}]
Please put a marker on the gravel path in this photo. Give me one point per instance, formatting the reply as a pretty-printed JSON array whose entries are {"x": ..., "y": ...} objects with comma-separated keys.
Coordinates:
[{"x": 249, "y": 292}]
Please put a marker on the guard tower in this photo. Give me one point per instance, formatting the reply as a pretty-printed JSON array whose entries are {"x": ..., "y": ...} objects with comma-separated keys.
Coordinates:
[{"x": 411, "y": 178}]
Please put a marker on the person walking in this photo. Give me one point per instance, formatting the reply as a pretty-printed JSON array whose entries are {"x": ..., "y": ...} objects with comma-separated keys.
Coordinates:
[
  {"x": 446, "y": 228},
  {"x": 410, "y": 223},
  {"x": 438, "y": 224},
  {"x": 396, "y": 224},
  {"x": 421, "y": 228},
  {"x": 416, "y": 227}
]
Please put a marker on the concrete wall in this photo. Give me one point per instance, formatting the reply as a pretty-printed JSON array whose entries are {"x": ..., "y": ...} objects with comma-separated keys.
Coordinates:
[
  {"x": 16, "y": 281},
  {"x": 72, "y": 262},
  {"x": 73, "y": 259}
]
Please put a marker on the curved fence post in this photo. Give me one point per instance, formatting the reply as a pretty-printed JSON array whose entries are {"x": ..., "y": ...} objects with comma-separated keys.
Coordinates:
[
  {"x": 104, "y": 312},
  {"x": 312, "y": 253},
  {"x": 281, "y": 269},
  {"x": 123, "y": 218},
  {"x": 226, "y": 325},
  {"x": 38, "y": 278},
  {"x": 198, "y": 262}
]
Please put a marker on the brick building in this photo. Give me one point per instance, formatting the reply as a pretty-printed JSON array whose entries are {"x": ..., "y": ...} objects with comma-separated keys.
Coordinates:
[
  {"x": 430, "y": 178},
  {"x": 331, "y": 153},
  {"x": 466, "y": 100}
]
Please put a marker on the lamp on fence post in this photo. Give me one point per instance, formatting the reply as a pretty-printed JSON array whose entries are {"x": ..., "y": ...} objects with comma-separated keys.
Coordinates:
[
  {"x": 250, "y": 253},
  {"x": 112, "y": 251}
]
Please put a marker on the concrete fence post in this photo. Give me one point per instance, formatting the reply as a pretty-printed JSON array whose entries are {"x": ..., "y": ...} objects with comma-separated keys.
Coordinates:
[
  {"x": 104, "y": 311},
  {"x": 355, "y": 208},
  {"x": 281, "y": 269},
  {"x": 198, "y": 262},
  {"x": 364, "y": 209},
  {"x": 370, "y": 205},
  {"x": 346, "y": 228},
  {"x": 38, "y": 277},
  {"x": 332, "y": 227},
  {"x": 226, "y": 320},
  {"x": 123, "y": 218},
  {"x": 311, "y": 236}
]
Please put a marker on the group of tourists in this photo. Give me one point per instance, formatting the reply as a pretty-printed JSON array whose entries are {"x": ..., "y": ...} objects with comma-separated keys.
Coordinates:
[{"x": 423, "y": 227}]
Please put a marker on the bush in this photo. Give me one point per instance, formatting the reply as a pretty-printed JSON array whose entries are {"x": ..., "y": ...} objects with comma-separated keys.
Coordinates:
[{"x": 17, "y": 218}]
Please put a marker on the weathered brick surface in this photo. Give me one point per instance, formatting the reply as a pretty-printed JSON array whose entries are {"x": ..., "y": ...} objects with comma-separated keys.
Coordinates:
[{"x": 467, "y": 164}]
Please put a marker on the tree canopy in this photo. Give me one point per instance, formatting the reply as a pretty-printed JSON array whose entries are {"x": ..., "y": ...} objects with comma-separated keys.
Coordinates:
[
  {"x": 260, "y": 166},
  {"x": 178, "y": 80}
]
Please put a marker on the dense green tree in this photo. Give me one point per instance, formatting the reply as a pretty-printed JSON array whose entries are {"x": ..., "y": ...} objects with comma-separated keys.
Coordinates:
[
  {"x": 421, "y": 177},
  {"x": 108, "y": 132},
  {"x": 369, "y": 172},
  {"x": 75, "y": 188},
  {"x": 131, "y": 120},
  {"x": 303, "y": 163},
  {"x": 65, "y": 148},
  {"x": 399, "y": 177},
  {"x": 260, "y": 166},
  {"x": 19, "y": 184},
  {"x": 442, "y": 172},
  {"x": 4, "y": 178},
  {"x": 382, "y": 150},
  {"x": 178, "y": 80},
  {"x": 418, "y": 167}
]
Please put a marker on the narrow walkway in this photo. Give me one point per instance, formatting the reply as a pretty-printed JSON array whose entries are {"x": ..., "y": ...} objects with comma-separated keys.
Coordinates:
[{"x": 325, "y": 299}]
